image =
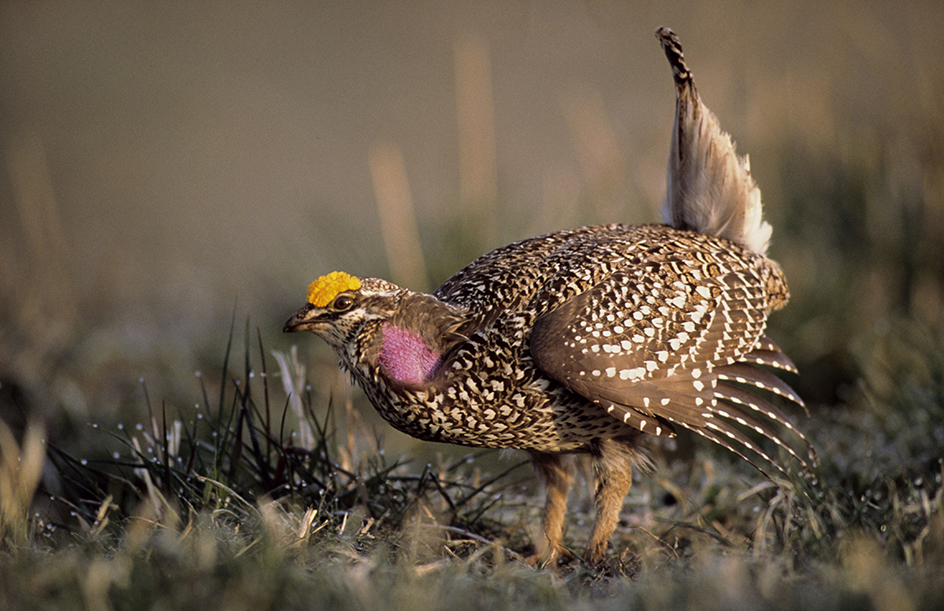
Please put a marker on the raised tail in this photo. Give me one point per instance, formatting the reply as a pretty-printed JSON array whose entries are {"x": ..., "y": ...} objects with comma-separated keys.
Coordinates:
[{"x": 710, "y": 189}]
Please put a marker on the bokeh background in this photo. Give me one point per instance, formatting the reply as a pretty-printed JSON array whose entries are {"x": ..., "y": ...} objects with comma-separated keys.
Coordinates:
[{"x": 173, "y": 169}]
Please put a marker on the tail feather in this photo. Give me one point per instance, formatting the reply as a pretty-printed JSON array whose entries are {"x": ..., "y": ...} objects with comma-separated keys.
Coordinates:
[{"x": 710, "y": 189}]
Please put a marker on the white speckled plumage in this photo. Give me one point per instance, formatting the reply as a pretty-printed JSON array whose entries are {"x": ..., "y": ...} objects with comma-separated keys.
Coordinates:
[{"x": 586, "y": 340}]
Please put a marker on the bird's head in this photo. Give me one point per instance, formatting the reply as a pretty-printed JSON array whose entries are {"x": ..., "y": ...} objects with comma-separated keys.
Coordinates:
[
  {"x": 374, "y": 325},
  {"x": 340, "y": 304}
]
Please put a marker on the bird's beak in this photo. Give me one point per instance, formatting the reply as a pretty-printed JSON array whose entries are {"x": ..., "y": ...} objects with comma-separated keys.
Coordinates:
[{"x": 298, "y": 321}]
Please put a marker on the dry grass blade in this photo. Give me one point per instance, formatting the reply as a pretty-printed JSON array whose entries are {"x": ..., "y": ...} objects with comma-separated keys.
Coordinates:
[
  {"x": 397, "y": 217},
  {"x": 21, "y": 469},
  {"x": 293, "y": 379}
]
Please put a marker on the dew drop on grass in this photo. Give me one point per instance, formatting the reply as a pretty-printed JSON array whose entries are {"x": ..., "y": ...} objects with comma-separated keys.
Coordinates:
[
  {"x": 116, "y": 455},
  {"x": 121, "y": 427},
  {"x": 197, "y": 373},
  {"x": 84, "y": 461},
  {"x": 139, "y": 426}
]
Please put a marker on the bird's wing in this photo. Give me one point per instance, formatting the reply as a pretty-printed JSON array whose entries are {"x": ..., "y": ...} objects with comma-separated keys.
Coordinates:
[{"x": 661, "y": 344}]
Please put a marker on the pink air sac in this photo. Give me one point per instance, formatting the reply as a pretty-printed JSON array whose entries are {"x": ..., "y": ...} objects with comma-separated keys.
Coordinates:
[{"x": 406, "y": 357}]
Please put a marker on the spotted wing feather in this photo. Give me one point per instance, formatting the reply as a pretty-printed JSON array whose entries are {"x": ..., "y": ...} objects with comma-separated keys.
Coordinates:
[{"x": 658, "y": 347}]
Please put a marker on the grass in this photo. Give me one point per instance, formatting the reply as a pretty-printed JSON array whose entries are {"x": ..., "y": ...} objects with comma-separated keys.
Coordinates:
[{"x": 222, "y": 509}]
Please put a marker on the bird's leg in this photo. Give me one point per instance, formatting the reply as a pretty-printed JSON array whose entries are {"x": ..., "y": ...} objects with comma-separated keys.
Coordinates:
[
  {"x": 556, "y": 472},
  {"x": 612, "y": 462}
]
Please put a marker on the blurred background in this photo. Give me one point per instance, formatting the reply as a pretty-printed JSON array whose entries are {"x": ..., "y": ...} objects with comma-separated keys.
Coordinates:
[{"x": 172, "y": 169}]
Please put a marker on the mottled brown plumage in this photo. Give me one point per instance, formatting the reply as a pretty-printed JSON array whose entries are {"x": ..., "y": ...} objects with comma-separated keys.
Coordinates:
[{"x": 587, "y": 340}]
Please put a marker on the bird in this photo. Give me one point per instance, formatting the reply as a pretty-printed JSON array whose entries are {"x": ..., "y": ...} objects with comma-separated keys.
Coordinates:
[{"x": 590, "y": 341}]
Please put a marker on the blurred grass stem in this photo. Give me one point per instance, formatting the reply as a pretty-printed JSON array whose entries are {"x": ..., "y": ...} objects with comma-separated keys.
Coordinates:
[{"x": 397, "y": 218}]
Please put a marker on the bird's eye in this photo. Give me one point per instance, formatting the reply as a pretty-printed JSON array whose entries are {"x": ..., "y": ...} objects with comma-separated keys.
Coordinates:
[{"x": 342, "y": 302}]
